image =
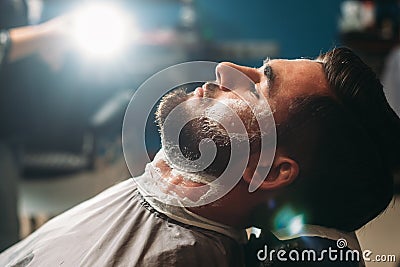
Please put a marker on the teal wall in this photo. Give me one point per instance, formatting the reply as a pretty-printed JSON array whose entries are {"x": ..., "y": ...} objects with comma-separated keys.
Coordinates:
[{"x": 301, "y": 27}]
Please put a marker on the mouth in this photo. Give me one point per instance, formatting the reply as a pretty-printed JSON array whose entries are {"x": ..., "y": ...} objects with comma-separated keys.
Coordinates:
[
  {"x": 199, "y": 92},
  {"x": 206, "y": 90}
]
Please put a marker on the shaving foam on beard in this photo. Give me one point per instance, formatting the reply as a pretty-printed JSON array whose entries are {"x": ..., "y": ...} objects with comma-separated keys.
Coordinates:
[
  {"x": 153, "y": 185},
  {"x": 189, "y": 176},
  {"x": 225, "y": 107}
]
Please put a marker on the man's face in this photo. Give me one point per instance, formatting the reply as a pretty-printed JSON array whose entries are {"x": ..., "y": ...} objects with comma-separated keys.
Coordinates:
[
  {"x": 279, "y": 82},
  {"x": 251, "y": 93}
]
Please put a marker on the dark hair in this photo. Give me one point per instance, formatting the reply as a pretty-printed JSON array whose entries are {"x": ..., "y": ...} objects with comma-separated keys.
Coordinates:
[
  {"x": 346, "y": 146},
  {"x": 361, "y": 92}
]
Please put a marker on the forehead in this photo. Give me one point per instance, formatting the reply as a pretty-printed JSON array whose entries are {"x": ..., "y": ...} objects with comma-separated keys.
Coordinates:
[{"x": 299, "y": 77}]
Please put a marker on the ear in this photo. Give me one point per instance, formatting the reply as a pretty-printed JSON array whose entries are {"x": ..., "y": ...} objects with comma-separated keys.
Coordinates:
[{"x": 283, "y": 172}]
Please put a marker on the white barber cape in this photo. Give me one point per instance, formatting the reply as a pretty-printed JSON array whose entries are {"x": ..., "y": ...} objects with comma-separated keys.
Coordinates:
[{"x": 120, "y": 228}]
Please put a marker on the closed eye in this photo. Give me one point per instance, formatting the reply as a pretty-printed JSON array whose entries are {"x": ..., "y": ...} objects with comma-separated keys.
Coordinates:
[{"x": 269, "y": 75}]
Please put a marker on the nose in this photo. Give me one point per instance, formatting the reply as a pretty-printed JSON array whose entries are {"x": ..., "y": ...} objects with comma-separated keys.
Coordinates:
[{"x": 232, "y": 77}]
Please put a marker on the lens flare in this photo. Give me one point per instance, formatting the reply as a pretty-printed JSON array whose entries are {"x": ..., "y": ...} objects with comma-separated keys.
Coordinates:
[
  {"x": 101, "y": 29},
  {"x": 289, "y": 220},
  {"x": 296, "y": 225}
]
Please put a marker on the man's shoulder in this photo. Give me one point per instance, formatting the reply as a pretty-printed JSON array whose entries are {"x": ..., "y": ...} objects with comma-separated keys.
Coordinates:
[
  {"x": 195, "y": 248},
  {"x": 119, "y": 225}
]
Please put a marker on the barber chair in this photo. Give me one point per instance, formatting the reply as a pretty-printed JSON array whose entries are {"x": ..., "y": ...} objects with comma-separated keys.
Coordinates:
[{"x": 50, "y": 159}]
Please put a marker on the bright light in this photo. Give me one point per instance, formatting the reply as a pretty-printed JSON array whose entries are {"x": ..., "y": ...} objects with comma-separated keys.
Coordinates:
[
  {"x": 101, "y": 29},
  {"x": 296, "y": 225}
]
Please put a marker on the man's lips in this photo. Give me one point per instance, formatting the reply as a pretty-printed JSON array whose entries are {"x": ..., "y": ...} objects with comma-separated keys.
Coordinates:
[
  {"x": 199, "y": 91},
  {"x": 206, "y": 88}
]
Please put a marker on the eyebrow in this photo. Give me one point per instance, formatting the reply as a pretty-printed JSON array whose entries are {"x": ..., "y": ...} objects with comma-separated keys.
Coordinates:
[{"x": 270, "y": 78}]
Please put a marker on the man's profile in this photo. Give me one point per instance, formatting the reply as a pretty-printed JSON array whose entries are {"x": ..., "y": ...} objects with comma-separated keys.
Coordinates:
[{"x": 336, "y": 152}]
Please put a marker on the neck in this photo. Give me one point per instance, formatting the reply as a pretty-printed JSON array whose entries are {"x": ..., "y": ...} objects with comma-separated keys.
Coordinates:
[
  {"x": 228, "y": 210},
  {"x": 231, "y": 209}
]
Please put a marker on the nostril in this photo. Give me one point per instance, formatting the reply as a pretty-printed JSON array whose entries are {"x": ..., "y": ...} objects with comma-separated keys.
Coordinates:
[
  {"x": 229, "y": 77},
  {"x": 223, "y": 88},
  {"x": 223, "y": 77},
  {"x": 218, "y": 77},
  {"x": 218, "y": 73}
]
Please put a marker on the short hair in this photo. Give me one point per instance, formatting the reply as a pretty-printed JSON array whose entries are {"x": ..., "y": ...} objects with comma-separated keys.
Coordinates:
[
  {"x": 361, "y": 92},
  {"x": 346, "y": 146}
]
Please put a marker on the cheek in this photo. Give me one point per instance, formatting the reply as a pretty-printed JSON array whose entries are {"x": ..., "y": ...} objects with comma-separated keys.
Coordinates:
[
  {"x": 251, "y": 167},
  {"x": 218, "y": 111},
  {"x": 280, "y": 107},
  {"x": 248, "y": 173},
  {"x": 227, "y": 111}
]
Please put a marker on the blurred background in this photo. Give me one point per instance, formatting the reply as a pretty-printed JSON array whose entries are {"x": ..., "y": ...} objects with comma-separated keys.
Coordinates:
[{"x": 62, "y": 108}]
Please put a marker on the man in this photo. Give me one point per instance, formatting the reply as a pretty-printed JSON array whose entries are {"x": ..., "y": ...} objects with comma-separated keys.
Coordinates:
[{"x": 336, "y": 150}]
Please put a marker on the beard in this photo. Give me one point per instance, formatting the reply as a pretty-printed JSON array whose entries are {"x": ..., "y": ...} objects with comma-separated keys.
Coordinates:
[{"x": 205, "y": 126}]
